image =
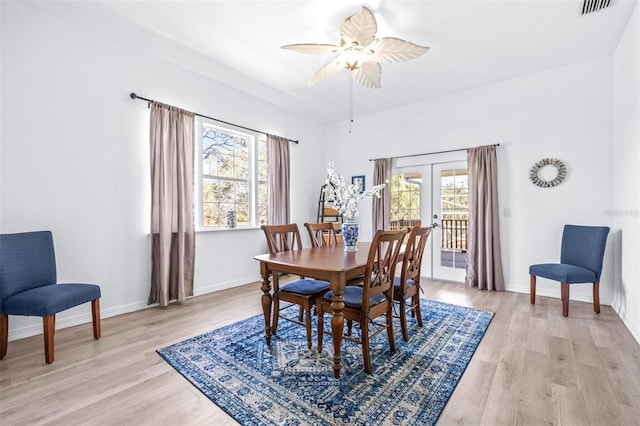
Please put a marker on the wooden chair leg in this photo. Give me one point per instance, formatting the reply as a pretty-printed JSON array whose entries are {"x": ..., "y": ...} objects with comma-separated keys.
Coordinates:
[
  {"x": 565, "y": 299},
  {"x": 320, "y": 313},
  {"x": 364, "y": 338},
  {"x": 532, "y": 289},
  {"x": 392, "y": 340},
  {"x": 49, "y": 325},
  {"x": 4, "y": 339},
  {"x": 95, "y": 314},
  {"x": 276, "y": 314},
  {"x": 308, "y": 325},
  {"x": 416, "y": 308},
  {"x": 403, "y": 319},
  {"x": 596, "y": 297}
]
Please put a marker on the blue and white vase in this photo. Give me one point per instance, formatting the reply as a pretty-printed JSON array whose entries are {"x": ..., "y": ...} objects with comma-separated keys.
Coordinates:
[{"x": 350, "y": 234}]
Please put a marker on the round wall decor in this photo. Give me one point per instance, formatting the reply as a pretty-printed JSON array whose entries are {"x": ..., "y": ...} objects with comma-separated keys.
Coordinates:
[{"x": 561, "y": 172}]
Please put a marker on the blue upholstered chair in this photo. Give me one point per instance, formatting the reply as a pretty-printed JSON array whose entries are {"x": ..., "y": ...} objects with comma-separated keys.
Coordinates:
[
  {"x": 28, "y": 286},
  {"x": 580, "y": 262}
]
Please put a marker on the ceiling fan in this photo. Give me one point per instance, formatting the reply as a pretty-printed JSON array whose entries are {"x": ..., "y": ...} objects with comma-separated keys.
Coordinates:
[{"x": 359, "y": 51}]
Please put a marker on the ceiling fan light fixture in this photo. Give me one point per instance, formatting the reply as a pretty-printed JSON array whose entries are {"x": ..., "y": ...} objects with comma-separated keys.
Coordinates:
[
  {"x": 354, "y": 56},
  {"x": 359, "y": 51}
]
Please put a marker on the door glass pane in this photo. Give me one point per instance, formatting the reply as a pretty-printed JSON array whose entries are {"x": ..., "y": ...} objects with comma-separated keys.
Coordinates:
[
  {"x": 454, "y": 216},
  {"x": 405, "y": 200}
]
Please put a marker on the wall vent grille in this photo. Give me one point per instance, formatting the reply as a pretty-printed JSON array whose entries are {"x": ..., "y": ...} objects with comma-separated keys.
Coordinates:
[{"x": 594, "y": 5}]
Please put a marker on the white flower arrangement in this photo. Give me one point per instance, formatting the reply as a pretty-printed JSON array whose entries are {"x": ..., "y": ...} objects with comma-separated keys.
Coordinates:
[{"x": 345, "y": 197}]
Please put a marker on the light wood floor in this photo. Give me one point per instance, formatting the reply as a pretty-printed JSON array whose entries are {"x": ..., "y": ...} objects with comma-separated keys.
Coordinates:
[{"x": 533, "y": 367}]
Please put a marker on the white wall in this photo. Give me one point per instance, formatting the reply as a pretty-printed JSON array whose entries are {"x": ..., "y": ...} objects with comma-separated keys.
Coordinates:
[
  {"x": 626, "y": 211},
  {"x": 75, "y": 158},
  {"x": 565, "y": 113}
]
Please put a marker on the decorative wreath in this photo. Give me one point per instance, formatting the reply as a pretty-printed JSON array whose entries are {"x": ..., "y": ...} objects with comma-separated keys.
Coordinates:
[{"x": 560, "y": 168}]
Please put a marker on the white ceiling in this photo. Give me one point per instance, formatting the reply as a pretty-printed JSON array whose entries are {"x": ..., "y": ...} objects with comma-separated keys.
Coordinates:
[{"x": 472, "y": 43}]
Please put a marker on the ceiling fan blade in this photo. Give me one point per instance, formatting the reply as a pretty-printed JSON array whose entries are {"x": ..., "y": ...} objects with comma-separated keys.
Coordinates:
[
  {"x": 313, "y": 49},
  {"x": 360, "y": 28},
  {"x": 369, "y": 74},
  {"x": 391, "y": 49},
  {"x": 327, "y": 70}
]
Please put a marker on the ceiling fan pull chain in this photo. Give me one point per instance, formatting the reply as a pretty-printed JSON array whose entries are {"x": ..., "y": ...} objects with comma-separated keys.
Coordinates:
[{"x": 350, "y": 101}]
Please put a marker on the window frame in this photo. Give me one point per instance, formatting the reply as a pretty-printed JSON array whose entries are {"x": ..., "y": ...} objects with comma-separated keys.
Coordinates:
[{"x": 253, "y": 176}]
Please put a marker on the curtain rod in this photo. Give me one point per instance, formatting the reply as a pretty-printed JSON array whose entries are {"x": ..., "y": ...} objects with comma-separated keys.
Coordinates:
[
  {"x": 134, "y": 96},
  {"x": 428, "y": 153}
]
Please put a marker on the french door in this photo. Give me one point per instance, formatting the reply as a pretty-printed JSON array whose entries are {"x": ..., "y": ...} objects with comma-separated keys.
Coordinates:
[
  {"x": 450, "y": 211},
  {"x": 435, "y": 194}
]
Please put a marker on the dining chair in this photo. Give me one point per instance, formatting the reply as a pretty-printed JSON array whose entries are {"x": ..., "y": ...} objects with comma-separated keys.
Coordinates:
[
  {"x": 407, "y": 285},
  {"x": 302, "y": 292},
  {"x": 581, "y": 258},
  {"x": 374, "y": 299},
  {"x": 321, "y": 234},
  {"x": 28, "y": 287},
  {"x": 324, "y": 234}
]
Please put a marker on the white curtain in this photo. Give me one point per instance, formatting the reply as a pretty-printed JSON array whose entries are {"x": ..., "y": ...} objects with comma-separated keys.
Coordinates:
[
  {"x": 172, "y": 222},
  {"x": 278, "y": 172},
  {"x": 484, "y": 262}
]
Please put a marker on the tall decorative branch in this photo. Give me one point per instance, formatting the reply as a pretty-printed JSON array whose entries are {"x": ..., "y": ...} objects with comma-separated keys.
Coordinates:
[{"x": 346, "y": 197}]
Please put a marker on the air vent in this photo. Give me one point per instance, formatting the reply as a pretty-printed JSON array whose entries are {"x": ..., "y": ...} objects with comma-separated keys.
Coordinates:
[{"x": 594, "y": 5}]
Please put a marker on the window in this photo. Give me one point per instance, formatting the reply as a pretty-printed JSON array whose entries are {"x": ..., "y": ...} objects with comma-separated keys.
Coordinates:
[
  {"x": 405, "y": 200},
  {"x": 232, "y": 177}
]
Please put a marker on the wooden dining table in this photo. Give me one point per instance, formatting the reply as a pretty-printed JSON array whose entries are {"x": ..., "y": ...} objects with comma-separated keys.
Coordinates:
[{"x": 328, "y": 263}]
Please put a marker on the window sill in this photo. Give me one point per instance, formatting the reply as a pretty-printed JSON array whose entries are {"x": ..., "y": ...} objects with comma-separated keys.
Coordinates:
[{"x": 240, "y": 228}]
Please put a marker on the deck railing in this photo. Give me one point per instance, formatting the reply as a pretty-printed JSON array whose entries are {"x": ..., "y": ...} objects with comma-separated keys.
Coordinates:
[
  {"x": 404, "y": 223},
  {"x": 454, "y": 234}
]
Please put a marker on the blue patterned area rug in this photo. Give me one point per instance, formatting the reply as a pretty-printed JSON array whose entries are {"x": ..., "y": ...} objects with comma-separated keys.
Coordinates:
[{"x": 288, "y": 384}]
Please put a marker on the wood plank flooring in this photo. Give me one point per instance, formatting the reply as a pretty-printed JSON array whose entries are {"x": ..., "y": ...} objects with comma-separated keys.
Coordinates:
[{"x": 533, "y": 367}]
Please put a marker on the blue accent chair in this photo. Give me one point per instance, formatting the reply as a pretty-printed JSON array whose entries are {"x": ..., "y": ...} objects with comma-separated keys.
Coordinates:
[
  {"x": 580, "y": 262},
  {"x": 28, "y": 287}
]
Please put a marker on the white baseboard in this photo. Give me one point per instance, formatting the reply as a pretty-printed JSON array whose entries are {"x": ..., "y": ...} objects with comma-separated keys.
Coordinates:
[
  {"x": 555, "y": 292},
  {"x": 226, "y": 285},
  {"x": 71, "y": 321},
  {"x": 35, "y": 329},
  {"x": 85, "y": 318},
  {"x": 634, "y": 329}
]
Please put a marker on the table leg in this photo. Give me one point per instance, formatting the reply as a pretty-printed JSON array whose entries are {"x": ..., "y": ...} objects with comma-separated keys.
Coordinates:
[
  {"x": 266, "y": 302},
  {"x": 337, "y": 323}
]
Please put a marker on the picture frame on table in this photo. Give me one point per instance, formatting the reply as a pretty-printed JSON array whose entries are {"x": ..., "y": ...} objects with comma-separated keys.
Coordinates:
[{"x": 358, "y": 181}]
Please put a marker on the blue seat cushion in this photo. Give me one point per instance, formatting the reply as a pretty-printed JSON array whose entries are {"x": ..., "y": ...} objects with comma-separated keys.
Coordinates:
[
  {"x": 564, "y": 273},
  {"x": 396, "y": 284},
  {"x": 305, "y": 286},
  {"x": 353, "y": 297},
  {"x": 49, "y": 299}
]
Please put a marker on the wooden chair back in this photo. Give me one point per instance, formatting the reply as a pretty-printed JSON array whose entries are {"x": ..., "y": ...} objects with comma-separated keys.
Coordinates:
[
  {"x": 321, "y": 234},
  {"x": 282, "y": 237},
  {"x": 381, "y": 265},
  {"x": 412, "y": 259}
]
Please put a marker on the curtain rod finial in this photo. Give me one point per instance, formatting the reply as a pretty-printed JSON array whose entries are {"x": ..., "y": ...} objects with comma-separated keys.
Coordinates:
[{"x": 133, "y": 95}]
